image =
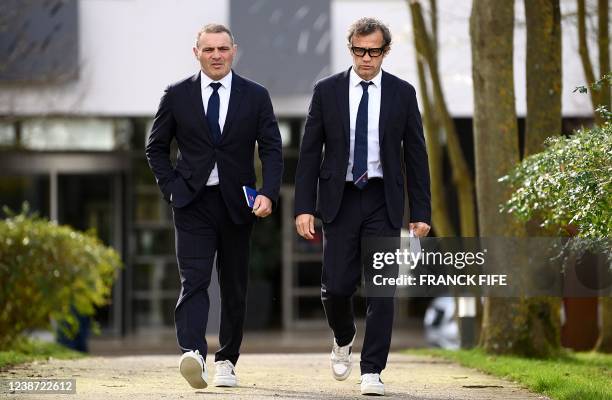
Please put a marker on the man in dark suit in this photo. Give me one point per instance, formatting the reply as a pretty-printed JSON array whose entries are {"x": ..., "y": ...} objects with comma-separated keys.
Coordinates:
[
  {"x": 366, "y": 119},
  {"x": 216, "y": 117}
]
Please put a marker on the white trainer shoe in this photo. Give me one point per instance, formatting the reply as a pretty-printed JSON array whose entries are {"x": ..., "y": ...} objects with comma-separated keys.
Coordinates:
[
  {"x": 225, "y": 376},
  {"x": 341, "y": 360},
  {"x": 193, "y": 369},
  {"x": 372, "y": 385}
]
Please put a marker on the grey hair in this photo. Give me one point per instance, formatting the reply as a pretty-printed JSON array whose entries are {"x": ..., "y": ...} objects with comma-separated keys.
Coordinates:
[
  {"x": 214, "y": 28},
  {"x": 365, "y": 26}
]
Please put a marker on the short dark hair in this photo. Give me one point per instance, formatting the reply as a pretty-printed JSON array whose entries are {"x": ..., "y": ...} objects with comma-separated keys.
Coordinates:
[
  {"x": 214, "y": 28},
  {"x": 365, "y": 26}
]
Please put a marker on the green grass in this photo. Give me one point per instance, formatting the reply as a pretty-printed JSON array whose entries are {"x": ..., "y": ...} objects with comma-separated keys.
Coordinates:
[
  {"x": 575, "y": 376},
  {"x": 30, "y": 350}
]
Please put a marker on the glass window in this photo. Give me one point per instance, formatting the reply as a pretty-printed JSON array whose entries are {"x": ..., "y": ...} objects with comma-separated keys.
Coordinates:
[
  {"x": 8, "y": 135},
  {"x": 171, "y": 280},
  {"x": 91, "y": 134},
  {"x": 85, "y": 201},
  {"x": 142, "y": 313},
  {"x": 33, "y": 189},
  {"x": 140, "y": 134},
  {"x": 147, "y": 206},
  {"x": 142, "y": 276},
  {"x": 142, "y": 172},
  {"x": 154, "y": 241}
]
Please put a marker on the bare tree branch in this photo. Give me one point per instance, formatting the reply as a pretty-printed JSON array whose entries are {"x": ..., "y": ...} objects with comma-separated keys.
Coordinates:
[
  {"x": 461, "y": 174},
  {"x": 583, "y": 50},
  {"x": 603, "y": 42}
]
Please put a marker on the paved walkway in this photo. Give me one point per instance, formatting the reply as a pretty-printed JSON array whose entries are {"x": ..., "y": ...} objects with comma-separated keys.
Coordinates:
[{"x": 266, "y": 376}]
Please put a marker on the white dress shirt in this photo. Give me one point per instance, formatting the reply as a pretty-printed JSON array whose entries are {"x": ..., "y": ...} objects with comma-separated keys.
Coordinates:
[
  {"x": 224, "y": 97},
  {"x": 374, "y": 96}
]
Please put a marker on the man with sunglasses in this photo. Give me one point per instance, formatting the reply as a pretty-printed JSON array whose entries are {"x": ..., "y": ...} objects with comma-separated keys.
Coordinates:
[{"x": 366, "y": 120}]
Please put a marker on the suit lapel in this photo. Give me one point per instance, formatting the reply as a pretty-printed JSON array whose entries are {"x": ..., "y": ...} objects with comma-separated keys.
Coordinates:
[
  {"x": 195, "y": 96},
  {"x": 386, "y": 102},
  {"x": 342, "y": 96},
  {"x": 236, "y": 95}
]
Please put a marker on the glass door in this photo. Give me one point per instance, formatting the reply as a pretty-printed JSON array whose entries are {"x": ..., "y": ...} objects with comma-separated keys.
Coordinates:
[{"x": 93, "y": 202}]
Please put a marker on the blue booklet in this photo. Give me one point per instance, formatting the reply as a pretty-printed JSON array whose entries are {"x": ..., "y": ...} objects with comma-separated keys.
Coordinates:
[{"x": 249, "y": 194}]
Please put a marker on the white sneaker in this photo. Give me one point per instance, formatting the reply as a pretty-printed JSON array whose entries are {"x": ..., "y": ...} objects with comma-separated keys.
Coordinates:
[
  {"x": 341, "y": 360},
  {"x": 225, "y": 376},
  {"x": 193, "y": 369},
  {"x": 371, "y": 384}
]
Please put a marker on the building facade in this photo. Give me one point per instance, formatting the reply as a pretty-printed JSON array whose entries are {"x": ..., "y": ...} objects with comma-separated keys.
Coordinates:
[{"x": 80, "y": 83}]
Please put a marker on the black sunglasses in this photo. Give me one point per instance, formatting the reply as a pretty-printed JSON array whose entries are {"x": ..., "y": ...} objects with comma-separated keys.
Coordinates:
[{"x": 361, "y": 51}]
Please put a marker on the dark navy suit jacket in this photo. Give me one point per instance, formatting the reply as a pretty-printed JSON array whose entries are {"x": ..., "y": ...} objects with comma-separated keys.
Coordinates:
[
  {"x": 320, "y": 178},
  {"x": 250, "y": 119}
]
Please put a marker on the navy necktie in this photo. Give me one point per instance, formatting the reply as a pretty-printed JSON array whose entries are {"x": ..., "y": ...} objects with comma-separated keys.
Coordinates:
[
  {"x": 212, "y": 112},
  {"x": 360, "y": 151}
]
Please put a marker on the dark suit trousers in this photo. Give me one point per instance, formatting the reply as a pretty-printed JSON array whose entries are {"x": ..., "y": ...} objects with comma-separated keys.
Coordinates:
[
  {"x": 362, "y": 213},
  {"x": 202, "y": 228}
]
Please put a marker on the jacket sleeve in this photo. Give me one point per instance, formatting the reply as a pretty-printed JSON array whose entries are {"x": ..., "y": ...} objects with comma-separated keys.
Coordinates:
[
  {"x": 270, "y": 149},
  {"x": 307, "y": 172},
  {"x": 157, "y": 149},
  {"x": 417, "y": 167}
]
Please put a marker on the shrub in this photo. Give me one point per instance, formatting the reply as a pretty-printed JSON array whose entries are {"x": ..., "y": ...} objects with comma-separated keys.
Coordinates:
[
  {"x": 568, "y": 186},
  {"x": 47, "y": 272}
]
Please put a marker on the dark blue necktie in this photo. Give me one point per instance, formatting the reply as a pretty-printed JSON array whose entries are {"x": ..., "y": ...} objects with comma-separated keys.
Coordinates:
[
  {"x": 212, "y": 112},
  {"x": 360, "y": 151}
]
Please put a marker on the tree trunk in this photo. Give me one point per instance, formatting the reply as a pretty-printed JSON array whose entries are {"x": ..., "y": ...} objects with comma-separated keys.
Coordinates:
[
  {"x": 510, "y": 325},
  {"x": 598, "y": 97},
  {"x": 543, "y": 66},
  {"x": 543, "y": 73},
  {"x": 495, "y": 124},
  {"x": 461, "y": 173},
  {"x": 604, "y": 342},
  {"x": 603, "y": 43},
  {"x": 516, "y": 326}
]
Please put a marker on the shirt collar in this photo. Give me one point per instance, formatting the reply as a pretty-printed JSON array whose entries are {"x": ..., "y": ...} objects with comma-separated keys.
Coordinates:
[
  {"x": 225, "y": 82},
  {"x": 355, "y": 80}
]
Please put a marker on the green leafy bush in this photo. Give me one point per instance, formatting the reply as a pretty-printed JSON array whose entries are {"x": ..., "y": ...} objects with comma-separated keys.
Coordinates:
[
  {"x": 48, "y": 271},
  {"x": 568, "y": 186}
]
